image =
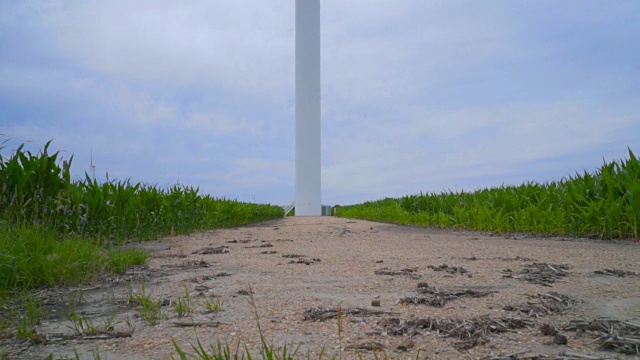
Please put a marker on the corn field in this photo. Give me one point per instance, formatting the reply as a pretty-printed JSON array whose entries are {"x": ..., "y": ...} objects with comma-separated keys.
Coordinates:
[
  {"x": 56, "y": 231},
  {"x": 37, "y": 189},
  {"x": 604, "y": 204}
]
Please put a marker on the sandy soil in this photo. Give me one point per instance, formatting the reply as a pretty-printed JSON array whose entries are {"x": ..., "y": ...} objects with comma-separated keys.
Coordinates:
[{"x": 338, "y": 267}]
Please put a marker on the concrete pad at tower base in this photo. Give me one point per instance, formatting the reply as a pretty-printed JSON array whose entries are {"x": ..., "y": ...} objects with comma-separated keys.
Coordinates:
[
  {"x": 308, "y": 209},
  {"x": 325, "y": 210}
]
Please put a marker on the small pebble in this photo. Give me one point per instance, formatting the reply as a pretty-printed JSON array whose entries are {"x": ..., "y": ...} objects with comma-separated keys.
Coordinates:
[
  {"x": 375, "y": 303},
  {"x": 548, "y": 330},
  {"x": 560, "y": 339},
  {"x": 406, "y": 345}
]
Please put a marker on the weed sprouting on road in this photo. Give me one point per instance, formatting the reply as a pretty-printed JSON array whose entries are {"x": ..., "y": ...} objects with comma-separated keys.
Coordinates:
[
  {"x": 267, "y": 350},
  {"x": 212, "y": 306},
  {"x": 182, "y": 306},
  {"x": 22, "y": 314},
  {"x": 149, "y": 310},
  {"x": 604, "y": 204},
  {"x": 224, "y": 352}
]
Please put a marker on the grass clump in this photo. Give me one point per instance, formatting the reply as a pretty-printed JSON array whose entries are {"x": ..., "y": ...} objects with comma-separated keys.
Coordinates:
[
  {"x": 79, "y": 324},
  {"x": 224, "y": 352},
  {"x": 215, "y": 352},
  {"x": 182, "y": 306},
  {"x": 121, "y": 259},
  {"x": 212, "y": 306},
  {"x": 149, "y": 310},
  {"x": 33, "y": 256},
  {"x": 604, "y": 204},
  {"x": 20, "y": 316}
]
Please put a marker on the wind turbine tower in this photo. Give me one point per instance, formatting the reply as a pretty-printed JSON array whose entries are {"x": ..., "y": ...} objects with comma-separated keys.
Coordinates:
[{"x": 308, "y": 193}]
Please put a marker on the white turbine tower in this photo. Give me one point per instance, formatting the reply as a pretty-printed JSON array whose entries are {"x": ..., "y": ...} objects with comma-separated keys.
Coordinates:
[{"x": 308, "y": 198}]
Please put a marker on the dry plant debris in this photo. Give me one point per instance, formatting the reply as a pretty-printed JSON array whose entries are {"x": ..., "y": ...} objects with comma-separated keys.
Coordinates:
[
  {"x": 371, "y": 346},
  {"x": 528, "y": 355},
  {"x": 500, "y": 258},
  {"x": 301, "y": 259},
  {"x": 517, "y": 258},
  {"x": 267, "y": 245},
  {"x": 544, "y": 305},
  {"x": 449, "y": 269},
  {"x": 439, "y": 297},
  {"x": 197, "y": 323},
  {"x": 470, "y": 332},
  {"x": 538, "y": 273},
  {"x": 610, "y": 334},
  {"x": 188, "y": 264},
  {"x": 212, "y": 250},
  {"x": 548, "y": 330},
  {"x": 406, "y": 345},
  {"x": 100, "y": 335},
  {"x": 322, "y": 314},
  {"x": 616, "y": 272},
  {"x": 410, "y": 272},
  {"x": 305, "y": 261}
]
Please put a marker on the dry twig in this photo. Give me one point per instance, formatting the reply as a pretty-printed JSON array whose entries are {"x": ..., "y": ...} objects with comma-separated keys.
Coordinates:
[
  {"x": 439, "y": 297},
  {"x": 322, "y": 314},
  {"x": 538, "y": 273},
  {"x": 610, "y": 334},
  {"x": 544, "y": 304}
]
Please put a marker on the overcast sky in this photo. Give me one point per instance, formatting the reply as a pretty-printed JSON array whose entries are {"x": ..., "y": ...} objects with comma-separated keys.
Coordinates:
[{"x": 416, "y": 95}]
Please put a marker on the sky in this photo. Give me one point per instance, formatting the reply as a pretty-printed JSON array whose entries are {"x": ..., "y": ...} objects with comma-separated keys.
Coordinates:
[{"x": 417, "y": 95}]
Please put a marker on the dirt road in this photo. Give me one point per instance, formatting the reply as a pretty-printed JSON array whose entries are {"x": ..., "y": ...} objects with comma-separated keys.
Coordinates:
[{"x": 451, "y": 294}]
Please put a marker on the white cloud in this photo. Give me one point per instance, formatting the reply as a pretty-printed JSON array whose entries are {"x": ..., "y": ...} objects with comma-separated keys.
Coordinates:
[
  {"x": 218, "y": 123},
  {"x": 43, "y": 83},
  {"x": 246, "y": 176},
  {"x": 242, "y": 45},
  {"x": 417, "y": 95},
  {"x": 397, "y": 158},
  {"x": 144, "y": 108}
]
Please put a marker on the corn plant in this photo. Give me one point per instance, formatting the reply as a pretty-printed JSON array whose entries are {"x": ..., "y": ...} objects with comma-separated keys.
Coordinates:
[
  {"x": 37, "y": 188},
  {"x": 51, "y": 227},
  {"x": 604, "y": 204}
]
